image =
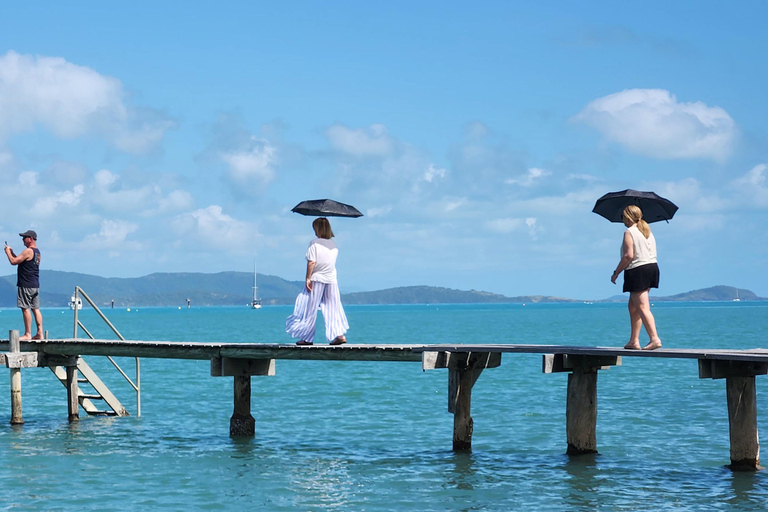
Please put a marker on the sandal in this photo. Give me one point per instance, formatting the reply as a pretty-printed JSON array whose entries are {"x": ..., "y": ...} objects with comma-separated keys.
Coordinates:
[
  {"x": 339, "y": 341},
  {"x": 303, "y": 343}
]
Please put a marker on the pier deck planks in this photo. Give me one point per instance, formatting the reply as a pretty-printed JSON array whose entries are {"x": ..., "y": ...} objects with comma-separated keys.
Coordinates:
[{"x": 349, "y": 352}]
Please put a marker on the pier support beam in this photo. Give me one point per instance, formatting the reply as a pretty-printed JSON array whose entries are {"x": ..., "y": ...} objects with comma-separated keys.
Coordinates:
[
  {"x": 15, "y": 359},
  {"x": 581, "y": 397},
  {"x": 242, "y": 424},
  {"x": 73, "y": 404},
  {"x": 464, "y": 368},
  {"x": 742, "y": 407},
  {"x": 15, "y": 348}
]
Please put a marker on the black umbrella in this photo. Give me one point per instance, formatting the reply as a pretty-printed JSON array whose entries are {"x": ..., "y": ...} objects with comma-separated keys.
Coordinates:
[
  {"x": 654, "y": 207},
  {"x": 326, "y": 208}
]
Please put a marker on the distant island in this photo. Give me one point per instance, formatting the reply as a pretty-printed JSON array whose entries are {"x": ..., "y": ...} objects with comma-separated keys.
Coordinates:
[{"x": 234, "y": 289}]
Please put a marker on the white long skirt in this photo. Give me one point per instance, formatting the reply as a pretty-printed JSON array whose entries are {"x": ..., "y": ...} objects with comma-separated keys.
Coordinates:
[{"x": 301, "y": 324}]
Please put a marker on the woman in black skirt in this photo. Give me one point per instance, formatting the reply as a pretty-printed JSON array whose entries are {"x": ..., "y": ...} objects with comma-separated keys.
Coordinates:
[{"x": 641, "y": 273}]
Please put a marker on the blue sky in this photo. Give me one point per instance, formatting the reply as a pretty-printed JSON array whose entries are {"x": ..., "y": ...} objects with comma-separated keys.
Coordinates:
[{"x": 475, "y": 138}]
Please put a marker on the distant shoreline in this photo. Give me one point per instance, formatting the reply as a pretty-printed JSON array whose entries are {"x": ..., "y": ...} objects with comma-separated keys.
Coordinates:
[{"x": 235, "y": 289}]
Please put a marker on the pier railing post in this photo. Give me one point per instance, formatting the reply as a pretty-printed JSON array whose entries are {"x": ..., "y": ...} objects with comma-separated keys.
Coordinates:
[
  {"x": 581, "y": 397},
  {"x": 464, "y": 368},
  {"x": 742, "y": 407},
  {"x": 241, "y": 424}
]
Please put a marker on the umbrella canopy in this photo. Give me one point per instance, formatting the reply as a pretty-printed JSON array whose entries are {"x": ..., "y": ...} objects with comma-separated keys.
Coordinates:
[
  {"x": 326, "y": 208},
  {"x": 654, "y": 207}
]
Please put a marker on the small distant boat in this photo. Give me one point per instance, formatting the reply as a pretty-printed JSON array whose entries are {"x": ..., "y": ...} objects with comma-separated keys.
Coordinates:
[
  {"x": 737, "y": 299},
  {"x": 256, "y": 302},
  {"x": 75, "y": 303}
]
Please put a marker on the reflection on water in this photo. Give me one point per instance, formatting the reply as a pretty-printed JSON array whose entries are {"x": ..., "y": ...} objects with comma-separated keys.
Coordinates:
[
  {"x": 462, "y": 474},
  {"x": 583, "y": 481}
]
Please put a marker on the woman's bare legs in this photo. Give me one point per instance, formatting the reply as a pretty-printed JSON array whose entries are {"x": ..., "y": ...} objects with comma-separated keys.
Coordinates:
[
  {"x": 635, "y": 322},
  {"x": 643, "y": 305}
]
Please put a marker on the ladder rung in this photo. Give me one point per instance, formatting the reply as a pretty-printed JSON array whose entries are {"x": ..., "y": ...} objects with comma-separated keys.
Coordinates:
[
  {"x": 92, "y": 397},
  {"x": 103, "y": 413}
]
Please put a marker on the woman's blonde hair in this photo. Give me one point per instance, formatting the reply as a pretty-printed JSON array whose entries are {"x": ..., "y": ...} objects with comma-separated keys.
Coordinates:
[
  {"x": 634, "y": 215},
  {"x": 322, "y": 228}
]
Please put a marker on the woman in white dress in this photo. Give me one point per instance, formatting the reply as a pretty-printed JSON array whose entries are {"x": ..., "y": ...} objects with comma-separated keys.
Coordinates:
[{"x": 320, "y": 290}]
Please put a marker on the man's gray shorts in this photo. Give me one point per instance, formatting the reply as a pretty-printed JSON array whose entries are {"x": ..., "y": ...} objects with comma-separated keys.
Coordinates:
[{"x": 28, "y": 298}]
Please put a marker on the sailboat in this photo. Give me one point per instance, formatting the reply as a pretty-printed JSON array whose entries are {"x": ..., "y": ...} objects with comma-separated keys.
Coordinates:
[
  {"x": 737, "y": 299},
  {"x": 256, "y": 302}
]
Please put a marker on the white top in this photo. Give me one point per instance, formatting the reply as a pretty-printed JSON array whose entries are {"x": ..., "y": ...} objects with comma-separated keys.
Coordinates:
[
  {"x": 324, "y": 253},
  {"x": 645, "y": 248}
]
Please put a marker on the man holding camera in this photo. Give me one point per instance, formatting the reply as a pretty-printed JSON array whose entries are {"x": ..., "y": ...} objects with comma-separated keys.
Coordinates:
[{"x": 28, "y": 283}]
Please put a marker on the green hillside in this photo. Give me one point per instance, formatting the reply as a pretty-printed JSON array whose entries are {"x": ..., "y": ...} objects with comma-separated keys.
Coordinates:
[
  {"x": 234, "y": 289},
  {"x": 161, "y": 289},
  {"x": 437, "y": 295}
]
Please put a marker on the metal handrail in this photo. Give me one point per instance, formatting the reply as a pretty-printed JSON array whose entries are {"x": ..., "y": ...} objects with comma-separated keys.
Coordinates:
[{"x": 136, "y": 386}]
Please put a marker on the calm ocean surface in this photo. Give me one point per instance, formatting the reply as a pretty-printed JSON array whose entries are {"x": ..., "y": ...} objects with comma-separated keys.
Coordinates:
[{"x": 377, "y": 436}]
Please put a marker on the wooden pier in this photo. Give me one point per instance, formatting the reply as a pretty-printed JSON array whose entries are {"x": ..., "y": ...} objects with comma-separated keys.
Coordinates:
[{"x": 464, "y": 362}]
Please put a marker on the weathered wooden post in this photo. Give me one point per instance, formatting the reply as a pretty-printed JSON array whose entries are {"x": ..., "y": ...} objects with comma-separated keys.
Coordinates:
[
  {"x": 73, "y": 404},
  {"x": 15, "y": 360},
  {"x": 241, "y": 424},
  {"x": 742, "y": 407},
  {"x": 464, "y": 368},
  {"x": 15, "y": 348},
  {"x": 581, "y": 397}
]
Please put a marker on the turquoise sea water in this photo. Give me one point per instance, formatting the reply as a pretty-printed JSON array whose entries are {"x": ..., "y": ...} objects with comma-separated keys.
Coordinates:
[{"x": 377, "y": 436}]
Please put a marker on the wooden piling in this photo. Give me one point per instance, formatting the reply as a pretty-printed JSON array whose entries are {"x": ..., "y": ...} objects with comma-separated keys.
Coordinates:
[
  {"x": 581, "y": 396},
  {"x": 581, "y": 412},
  {"x": 742, "y": 407},
  {"x": 742, "y": 423},
  {"x": 460, "y": 383},
  {"x": 242, "y": 424},
  {"x": 15, "y": 347},
  {"x": 464, "y": 369},
  {"x": 73, "y": 404}
]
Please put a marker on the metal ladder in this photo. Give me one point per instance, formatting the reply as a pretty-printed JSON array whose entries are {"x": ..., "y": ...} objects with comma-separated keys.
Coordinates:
[{"x": 100, "y": 392}]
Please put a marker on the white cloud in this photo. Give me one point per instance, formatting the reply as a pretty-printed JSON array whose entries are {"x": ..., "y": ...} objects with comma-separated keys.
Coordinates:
[
  {"x": 752, "y": 188},
  {"x": 689, "y": 195},
  {"x": 533, "y": 175},
  {"x": 105, "y": 178},
  {"x": 112, "y": 235},
  {"x": 72, "y": 101},
  {"x": 511, "y": 224},
  {"x": 177, "y": 200},
  {"x": 211, "y": 226},
  {"x": 28, "y": 179},
  {"x": 651, "y": 122},
  {"x": 371, "y": 141},
  {"x": 45, "y": 206},
  {"x": 5, "y": 158},
  {"x": 257, "y": 161},
  {"x": 452, "y": 204},
  {"x": 505, "y": 225},
  {"x": 378, "y": 212},
  {"x": 433, "y": 173}
]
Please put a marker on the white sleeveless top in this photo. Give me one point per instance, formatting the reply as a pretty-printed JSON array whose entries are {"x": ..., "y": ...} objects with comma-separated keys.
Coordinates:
[{"x": 645, "y": 248}]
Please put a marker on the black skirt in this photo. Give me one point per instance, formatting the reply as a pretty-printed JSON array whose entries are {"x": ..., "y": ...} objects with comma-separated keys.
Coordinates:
[{"x": 641, "y": 278}]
